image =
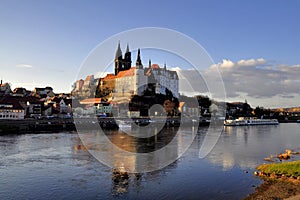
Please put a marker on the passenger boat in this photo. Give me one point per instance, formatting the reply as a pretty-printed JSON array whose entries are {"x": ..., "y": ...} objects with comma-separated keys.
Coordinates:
[{"x": 249, "y": 121}]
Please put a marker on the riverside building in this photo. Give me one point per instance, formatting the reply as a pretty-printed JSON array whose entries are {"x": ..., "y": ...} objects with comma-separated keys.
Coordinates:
[{"x": 135, "y": 80}]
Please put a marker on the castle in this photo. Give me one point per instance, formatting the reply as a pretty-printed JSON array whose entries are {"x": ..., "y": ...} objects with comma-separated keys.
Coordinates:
[{"x": 128, "y": 81}]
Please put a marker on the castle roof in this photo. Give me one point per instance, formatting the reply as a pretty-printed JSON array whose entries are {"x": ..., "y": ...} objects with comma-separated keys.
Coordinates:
[
  {"x": 129, "y": 72},
  {"x": 125, "y": 73},
  {"x": 155, "y": 66},
  {"x": 109, "y": 76}
]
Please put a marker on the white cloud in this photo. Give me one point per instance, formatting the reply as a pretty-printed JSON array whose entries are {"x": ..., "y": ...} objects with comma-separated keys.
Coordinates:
[
  {"x": 265, "y": 83},
  {"x": 259, "y": 82},
  {"x": 251, "y": 62},
  {"x": 228, "y": 64},
  {"x": 24, "y": 65},
  {"x": 175, "y": 69}
]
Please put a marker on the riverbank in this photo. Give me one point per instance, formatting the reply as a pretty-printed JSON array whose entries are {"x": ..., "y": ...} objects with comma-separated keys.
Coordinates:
[
  {"x": 63, "y": 124},
  {"x": 281, "y": 181},
  {"x": 275, "y": 189},
  {"x": 36, "y": 125}
]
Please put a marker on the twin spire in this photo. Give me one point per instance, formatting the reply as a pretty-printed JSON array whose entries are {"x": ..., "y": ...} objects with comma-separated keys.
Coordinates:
[
  {"x": 124, "y": 63},
  {"x": 127, "y": 47},
  {"x": 119, "y": 51}
]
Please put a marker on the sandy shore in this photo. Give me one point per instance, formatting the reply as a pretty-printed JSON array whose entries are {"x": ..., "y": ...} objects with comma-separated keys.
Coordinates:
[
  {"x": 297, "y": 197},
  {"x": 276, "y": 189}
]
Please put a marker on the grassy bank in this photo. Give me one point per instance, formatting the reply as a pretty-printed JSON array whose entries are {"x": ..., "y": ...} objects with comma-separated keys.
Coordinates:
[
  {"x": 281, "y": 181},
  {"x": 286, "y": 168}
]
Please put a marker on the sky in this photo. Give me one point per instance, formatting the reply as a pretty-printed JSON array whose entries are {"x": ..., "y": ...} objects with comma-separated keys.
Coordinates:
[{"x": 254, "y": 44}]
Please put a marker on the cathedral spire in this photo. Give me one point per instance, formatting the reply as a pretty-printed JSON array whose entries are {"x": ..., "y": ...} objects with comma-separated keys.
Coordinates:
[
  {"x": 127, "y": 48},
  {"x": 138, "y": 60},
  {"x": 119, "y": 51},
  {"x": 118, "y": 59}
]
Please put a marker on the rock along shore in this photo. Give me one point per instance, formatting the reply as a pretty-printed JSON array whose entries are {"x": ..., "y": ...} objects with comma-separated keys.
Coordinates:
[{"x": 281, "y": 180}]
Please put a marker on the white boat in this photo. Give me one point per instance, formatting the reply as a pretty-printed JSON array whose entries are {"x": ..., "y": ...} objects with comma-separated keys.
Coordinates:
[
  {"x": 123, "y": 125},
  {"x": 241, "y": 121}
]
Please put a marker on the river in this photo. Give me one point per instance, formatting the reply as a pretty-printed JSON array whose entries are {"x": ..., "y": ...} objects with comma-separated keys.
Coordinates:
[{"x": 56, "y": 166}]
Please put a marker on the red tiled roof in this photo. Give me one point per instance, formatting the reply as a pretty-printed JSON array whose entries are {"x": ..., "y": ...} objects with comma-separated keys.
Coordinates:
[
  {"x": 109, "y": 76},
  {"x": 90, "y": 101},
  {"x": 129, "y": 72},
  {"x": 155, "y": 66}
]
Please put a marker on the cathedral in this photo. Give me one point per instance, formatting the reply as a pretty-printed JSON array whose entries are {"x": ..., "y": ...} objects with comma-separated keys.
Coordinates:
[
  {"x": 123, "y": 64},
  {"x": 129, "y": 80}
]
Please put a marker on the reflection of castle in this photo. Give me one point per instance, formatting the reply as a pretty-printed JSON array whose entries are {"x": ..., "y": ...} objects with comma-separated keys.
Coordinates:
[
  {"x": 136, "y": 154},
  {"x": 128, "y": 81}
]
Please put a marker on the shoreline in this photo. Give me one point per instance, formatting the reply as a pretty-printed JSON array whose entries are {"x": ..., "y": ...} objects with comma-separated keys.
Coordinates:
[
  {"x": 280, "y": 180},
  {"x": 69, "y": 124},
  {"x": 275, "y": 189}
]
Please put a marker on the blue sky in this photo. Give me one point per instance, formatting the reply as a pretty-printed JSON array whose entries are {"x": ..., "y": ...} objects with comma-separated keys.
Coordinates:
[{"x": 45, "y": 42}]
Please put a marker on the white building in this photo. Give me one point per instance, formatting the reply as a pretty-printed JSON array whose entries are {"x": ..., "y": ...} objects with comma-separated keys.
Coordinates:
[
  {"x": 95, "y": 106},
  {"x": 11, "y": 109},
  {"x": 135, "y": 80},
  {"x": 130, "y": 82},
  {"x": 164, "y": 79}
]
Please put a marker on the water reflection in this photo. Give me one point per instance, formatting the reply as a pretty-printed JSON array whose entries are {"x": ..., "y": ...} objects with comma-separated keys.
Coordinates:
[
  {"x": 157, "y": 140},
  {"x": 170, "y": 141},
  {"x": 246, "y": 147},
  {"x": 120, "y": 150},
  {"x": 123, "y": 181},
  {"x": 58, "y": 166}
]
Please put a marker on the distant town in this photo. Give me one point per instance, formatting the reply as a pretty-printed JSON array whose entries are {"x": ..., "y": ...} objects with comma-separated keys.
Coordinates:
[{"x": 131, "y": 91}]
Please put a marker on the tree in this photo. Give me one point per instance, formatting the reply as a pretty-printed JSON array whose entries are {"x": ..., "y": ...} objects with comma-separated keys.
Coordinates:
[{"x": 259, "y": 111}]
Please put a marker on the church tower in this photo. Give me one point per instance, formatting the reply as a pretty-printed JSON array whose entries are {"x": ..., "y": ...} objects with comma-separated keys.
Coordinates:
[
  {"x": 121, "y": 63},
  {"x": 138, "y": 63},
  {"x": 127, "y": 59},
  {"x": 118, "y": 60}
]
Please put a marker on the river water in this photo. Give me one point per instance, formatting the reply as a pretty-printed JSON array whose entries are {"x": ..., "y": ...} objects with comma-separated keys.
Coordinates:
[{"x": 56, "y": 166}]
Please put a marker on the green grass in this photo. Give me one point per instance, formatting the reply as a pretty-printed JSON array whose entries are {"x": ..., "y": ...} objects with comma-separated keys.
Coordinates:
[{"x": 287, "y": 168}]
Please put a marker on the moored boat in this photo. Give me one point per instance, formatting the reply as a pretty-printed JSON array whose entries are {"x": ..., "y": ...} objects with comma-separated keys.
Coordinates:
[{"x": 249, "y": 121}]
